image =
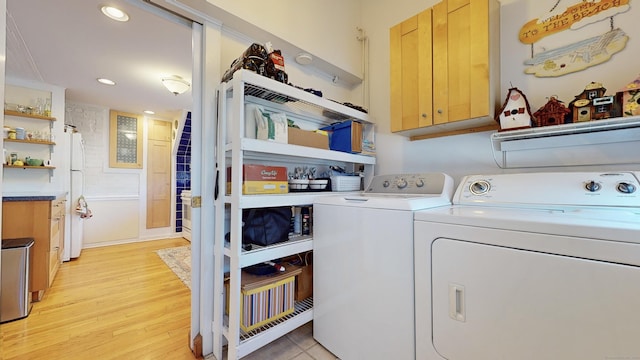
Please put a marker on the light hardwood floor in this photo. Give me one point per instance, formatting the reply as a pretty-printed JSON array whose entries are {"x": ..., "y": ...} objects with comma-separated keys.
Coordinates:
[{"x": 116, "y": 302}]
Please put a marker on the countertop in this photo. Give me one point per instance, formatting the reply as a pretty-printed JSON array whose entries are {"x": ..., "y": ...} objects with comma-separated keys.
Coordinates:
[{"x": 32, "y": 196}]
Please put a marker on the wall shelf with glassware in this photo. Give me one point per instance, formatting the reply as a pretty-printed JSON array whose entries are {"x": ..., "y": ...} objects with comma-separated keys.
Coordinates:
[
  {"x": 40, "y": 137},
  {"x": 590, "y": 133},
  {"x": 239, "y": 149},
  {"x": 28, "y": 167},
  {"x": 28, "y": 116},
  {"x": 34, "y": 142}
]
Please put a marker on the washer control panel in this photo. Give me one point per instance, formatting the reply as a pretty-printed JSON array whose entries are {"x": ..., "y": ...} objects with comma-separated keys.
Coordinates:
[
  {"x": 418, "y": 184},
  {"x": 554, "y": 188}
]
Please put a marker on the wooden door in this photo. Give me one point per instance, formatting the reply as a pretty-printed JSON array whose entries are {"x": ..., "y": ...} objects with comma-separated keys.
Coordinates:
[
  {"x": 159, "y": 174},
  {"x": 411, "y": 76},
  {"x": 461, "y": 60}
]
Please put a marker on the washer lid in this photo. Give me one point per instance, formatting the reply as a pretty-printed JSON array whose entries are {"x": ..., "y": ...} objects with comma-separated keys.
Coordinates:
[
  {"x": 399, "y": 192},
  {"x": 409, "y": 202}
]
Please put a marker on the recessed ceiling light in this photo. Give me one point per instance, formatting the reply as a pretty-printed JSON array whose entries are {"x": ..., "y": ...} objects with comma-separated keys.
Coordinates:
[
  {"x": 114, "y": 13},
  {"x": 149, "y": 112},
  {"x": 106, "y": 81}
]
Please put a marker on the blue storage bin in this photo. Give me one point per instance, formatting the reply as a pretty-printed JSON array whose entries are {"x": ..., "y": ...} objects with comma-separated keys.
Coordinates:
[{"x": 345, "y": 136}]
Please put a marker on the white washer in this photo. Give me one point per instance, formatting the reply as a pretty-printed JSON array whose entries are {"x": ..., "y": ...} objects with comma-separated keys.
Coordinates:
[
  {"x": 363, "y": 265},
  {"x": 531, "y": 266}
]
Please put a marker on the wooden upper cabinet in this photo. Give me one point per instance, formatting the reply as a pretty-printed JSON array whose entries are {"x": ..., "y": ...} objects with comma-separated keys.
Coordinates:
[
  {"x": 411, "y": 77},
  {"x": 461, "y": 78}
]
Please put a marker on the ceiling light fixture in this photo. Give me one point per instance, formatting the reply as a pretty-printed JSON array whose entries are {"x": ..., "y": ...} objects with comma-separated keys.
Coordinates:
[
  {"x": 176, "y": 84},
  {"x": 106, "y": 81},
  {"x": 149, "y": 112},
  {"x": 114, "y": 13},
  {"x": 304, "y": 59}
]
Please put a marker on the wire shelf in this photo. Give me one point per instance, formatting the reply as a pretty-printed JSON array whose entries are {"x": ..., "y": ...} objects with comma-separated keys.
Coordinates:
[{"x": 300, "y": 307}]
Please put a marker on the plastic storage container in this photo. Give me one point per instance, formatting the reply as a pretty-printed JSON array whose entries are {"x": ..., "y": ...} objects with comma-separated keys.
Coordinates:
[
  {"x": 345, "y": 183},
  {"x": 15, "y": 302},
  {"x": 345, "y": 136}
]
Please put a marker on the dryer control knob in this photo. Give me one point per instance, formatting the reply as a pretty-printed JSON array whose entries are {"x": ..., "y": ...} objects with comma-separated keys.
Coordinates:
[
  {"x": 592, "y": 186},
  {"x": 626, "y": 188},
  {"x": 419, "y": 183},
  {"x": 402, "y": 183},
  {"x": 386, "y": 183},
  {"x": 479, "y": 187}
]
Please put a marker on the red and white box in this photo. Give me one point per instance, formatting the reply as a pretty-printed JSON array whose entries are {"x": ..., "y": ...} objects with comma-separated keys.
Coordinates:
[{"x": 261, "y": 179}]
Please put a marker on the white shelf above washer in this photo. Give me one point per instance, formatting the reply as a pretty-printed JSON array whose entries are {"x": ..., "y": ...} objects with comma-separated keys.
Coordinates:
[{"x": 597, "y": 132}]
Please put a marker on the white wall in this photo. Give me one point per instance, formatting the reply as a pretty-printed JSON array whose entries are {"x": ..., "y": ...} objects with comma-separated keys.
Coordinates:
[
  {"x": 465, "y": 154},
  {"x": 613, "y": 74},
  {"x": 324, "y": 28}
]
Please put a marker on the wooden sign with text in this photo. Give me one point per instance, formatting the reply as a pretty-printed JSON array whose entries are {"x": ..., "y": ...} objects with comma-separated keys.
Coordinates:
[{"x": 536, "y": 29}]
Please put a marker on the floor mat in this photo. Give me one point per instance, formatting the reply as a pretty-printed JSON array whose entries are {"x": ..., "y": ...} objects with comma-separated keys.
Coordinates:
[{"x": 178, "y": 259}]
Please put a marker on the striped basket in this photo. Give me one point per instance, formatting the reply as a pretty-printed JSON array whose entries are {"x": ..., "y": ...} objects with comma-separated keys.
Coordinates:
[
  {"x": 267, "y": 303},
  {"x": 265, "y": 298}
]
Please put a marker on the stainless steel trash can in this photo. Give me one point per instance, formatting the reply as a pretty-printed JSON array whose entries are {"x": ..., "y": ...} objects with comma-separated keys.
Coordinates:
[{"x": 15, "y": 299}]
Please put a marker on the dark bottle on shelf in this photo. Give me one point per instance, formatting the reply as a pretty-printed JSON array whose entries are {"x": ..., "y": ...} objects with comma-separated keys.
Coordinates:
[{"x": 306, "y": 220}]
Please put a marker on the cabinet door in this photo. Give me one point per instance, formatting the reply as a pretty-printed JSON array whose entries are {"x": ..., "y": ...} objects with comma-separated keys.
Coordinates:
[
  {"x": 56, "y": 237},
  {"x": 411, "y": 77},
  {"x": 461, "y": 60},
  {"x": 30, "y": 219},
  {"x": 531, "y": 305},
  {"x": 61, "y": 237}
]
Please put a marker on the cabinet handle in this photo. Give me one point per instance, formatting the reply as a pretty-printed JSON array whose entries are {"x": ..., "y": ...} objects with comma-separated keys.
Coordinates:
[
  {"x": 440, "y": 111},
  {"x": 424, "y": 115}
]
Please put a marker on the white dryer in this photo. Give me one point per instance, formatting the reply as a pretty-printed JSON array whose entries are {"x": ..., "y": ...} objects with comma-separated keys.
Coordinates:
[
  {"x": 363, "y": 265},
  {"x": 531, "y": 266}
]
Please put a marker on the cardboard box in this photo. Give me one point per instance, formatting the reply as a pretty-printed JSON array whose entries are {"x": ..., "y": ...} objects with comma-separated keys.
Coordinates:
[
  {"x": 260, "y": 179},
  {"x": 304, "y": 283},
  {"x": 308, "y": 138},
  {"x": 264, "y": 298}
]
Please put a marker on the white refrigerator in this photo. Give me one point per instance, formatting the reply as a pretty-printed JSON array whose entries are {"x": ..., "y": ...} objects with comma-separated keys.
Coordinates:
[{"x": 74, "y": 219}]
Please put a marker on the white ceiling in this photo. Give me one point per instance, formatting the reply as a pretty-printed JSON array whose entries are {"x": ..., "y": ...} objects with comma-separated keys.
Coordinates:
[{"x": 70, "y": 43}]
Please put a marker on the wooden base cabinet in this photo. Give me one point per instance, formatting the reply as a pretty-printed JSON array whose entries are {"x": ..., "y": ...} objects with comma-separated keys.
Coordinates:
[
  {"x": 445, "y": 70},
  {"x": 43, "y": 221}
]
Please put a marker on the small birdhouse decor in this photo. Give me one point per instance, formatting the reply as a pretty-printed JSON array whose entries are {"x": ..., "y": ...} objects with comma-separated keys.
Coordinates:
[
  {"x": 582, "y": 110},
  {"x": 592, "y": 104},
  {"x": 630, "y": 98},
  {"x": 515, "y": 112},
  {"x": 552, "y": 113}
]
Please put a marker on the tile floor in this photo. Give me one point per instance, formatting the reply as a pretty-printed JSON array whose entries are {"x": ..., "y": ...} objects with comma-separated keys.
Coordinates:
[{"x": 296, "y": 345}]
